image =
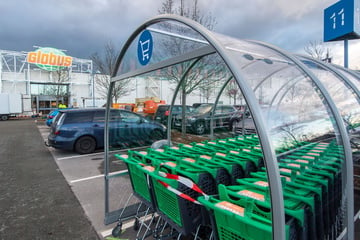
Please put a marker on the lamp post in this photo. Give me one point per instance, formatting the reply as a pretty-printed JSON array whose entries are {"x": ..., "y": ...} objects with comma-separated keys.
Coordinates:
[{"x": 93, "y": 88}]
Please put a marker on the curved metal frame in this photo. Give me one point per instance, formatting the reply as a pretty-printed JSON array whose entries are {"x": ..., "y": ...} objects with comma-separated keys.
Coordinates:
[
  {"x": 214, "y": 108},
  {"x": 343, "y": 134},
  {"x": 352, "y": 72},
  {"x": 176, "y": 91},
  {"x": 275, "y": 187},
  {"x": 277, "y": 202},
  {"x": 344, "y": 79},
  {"x": 293, "y": 83}
]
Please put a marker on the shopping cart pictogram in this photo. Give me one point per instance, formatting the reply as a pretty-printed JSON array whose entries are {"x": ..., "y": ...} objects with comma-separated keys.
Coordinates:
[{"x": 145, "y": 48}]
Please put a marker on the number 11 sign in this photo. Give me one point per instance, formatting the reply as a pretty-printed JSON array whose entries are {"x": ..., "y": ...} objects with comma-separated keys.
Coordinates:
[{"x": 342, "y": 21}]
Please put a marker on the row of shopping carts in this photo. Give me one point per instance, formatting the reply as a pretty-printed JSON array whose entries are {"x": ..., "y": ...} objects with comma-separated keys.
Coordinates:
[
  {"x": 219, "y": 190},
  {"x": 312, "y": 198}
]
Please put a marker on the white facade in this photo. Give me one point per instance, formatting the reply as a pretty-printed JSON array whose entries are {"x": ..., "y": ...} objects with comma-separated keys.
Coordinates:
[
  {"x": 37, "y": 86},
  {"x": 34, "y": 83}
]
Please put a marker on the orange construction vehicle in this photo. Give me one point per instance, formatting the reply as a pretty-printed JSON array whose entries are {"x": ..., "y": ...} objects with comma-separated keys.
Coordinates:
[
  {"x": 147, "y": 106},
  {"x": 126, "y": 106}
]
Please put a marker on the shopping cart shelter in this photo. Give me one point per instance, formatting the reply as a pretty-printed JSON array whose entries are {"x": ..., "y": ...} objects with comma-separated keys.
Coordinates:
[{"x": 275, "y": 154}]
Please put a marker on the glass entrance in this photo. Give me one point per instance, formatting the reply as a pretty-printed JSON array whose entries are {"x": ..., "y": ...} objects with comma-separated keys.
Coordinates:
[{"x": 46, "y": 97}]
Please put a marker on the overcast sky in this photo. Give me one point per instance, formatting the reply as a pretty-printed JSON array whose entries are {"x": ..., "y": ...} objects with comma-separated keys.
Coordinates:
[{"x": 83, "y": 27}]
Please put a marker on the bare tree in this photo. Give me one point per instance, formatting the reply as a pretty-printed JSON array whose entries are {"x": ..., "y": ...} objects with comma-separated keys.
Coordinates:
[
  {"x": 232, "y": 90},
  {"x": 200, "y": 77},
  {"x": 316, "y": 49},
  {"x": 104, "y": 66},
  {"x": 60, "y": 85},
  {"x": 193, "y": 12}
]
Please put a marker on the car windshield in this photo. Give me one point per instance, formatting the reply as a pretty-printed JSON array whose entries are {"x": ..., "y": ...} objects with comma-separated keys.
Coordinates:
[{"x": 203, "y": 109}]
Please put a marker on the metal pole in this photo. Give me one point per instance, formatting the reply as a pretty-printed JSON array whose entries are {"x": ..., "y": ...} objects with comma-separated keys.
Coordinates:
[
  {"x": 346, "y": 53},
  {"x": 93, "y": 89},
  {"x": 1, "y": 60}
]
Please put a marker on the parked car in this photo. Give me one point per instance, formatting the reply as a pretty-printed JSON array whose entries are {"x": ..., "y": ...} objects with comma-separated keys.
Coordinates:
[
  {"x": 82, "y": 130},
  {"x": 50, "y": 117},
  {"x": 199, "y": 120},
  {"x": 163, "y": 111},
  {"x": 195, "y": 105}
]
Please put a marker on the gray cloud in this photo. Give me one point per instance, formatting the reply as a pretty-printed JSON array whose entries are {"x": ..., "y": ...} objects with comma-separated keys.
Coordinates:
[
  {"x": 288, "y": 24},
  {"x": 83, "y": 27}
]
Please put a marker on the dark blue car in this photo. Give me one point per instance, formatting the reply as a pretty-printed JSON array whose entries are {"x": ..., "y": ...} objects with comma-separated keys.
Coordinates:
[{"x": 82, "y": 130}]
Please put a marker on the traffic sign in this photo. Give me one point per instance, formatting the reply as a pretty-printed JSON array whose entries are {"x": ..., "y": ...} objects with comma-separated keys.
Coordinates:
[
  {"x": 145, "y": 47},
  {"x": 342, "y": 21}
]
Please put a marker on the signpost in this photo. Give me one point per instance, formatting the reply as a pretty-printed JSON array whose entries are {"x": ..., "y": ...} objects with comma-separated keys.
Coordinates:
[{"x": 342, "y": 22}]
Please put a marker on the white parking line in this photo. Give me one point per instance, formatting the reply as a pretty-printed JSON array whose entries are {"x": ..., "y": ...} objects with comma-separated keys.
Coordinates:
[
  {"x": 97, "y": 176},
  {"x": 99, "y": 153},
  {"x": 85, "y": 179},
  {"x": 79, "y": 156}
]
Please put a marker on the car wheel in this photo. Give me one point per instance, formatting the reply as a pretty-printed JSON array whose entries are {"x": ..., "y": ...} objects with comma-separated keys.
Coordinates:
[
  {"x": 4, "y": 117},
  {"x": 85, "y": 145},
  {"x": 156, "y": 135},
  {"x": 200, "y": 128}
]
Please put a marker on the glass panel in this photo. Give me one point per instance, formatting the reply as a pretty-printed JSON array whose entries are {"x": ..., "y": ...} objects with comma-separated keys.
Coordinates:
[
  {"x": 353, "y": 76},
  {"x": 300, "y": 124},
  {"x": 291, "y": 105},
  {"x": 133, "y": 129},
  {"x": 49, "y": 89},
  {"x": 343, "y": 96}
]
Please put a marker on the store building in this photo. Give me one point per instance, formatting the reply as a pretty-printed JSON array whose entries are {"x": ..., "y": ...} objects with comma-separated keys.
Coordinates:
[{"x": 45, "y": 78}]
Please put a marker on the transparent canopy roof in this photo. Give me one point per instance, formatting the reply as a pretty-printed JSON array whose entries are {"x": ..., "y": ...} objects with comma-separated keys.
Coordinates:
[
  {"x": 289, "y": 101},
  {"x": 286, "y": 100}
]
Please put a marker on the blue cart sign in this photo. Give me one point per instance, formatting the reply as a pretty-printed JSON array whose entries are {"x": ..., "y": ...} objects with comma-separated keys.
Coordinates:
[
  {"x": 342, "y": 21},
  {"x": 145, "y": 47}
]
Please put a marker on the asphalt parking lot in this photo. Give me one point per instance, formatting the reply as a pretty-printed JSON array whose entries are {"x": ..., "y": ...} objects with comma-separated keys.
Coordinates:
[
  {"x": 36, "y": 202},
  {"x": 51, "y": 194},
  {"x": 85, "y": 176}
]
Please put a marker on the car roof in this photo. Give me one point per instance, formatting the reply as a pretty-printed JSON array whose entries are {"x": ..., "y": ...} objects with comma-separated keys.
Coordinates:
[
  {"x": 90, "y": 110},
  {"x": 175, "y": 105},
  {"x": 82, "y": 110},
  {"x": 217, "y": 105}
]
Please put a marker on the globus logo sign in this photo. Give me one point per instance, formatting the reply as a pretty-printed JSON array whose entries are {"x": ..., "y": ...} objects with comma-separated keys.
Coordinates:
[{"x": 50, "y": 59}]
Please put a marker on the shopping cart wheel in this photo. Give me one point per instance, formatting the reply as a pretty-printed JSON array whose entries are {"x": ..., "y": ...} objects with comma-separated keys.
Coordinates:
[
  {"x": 117, "y": 230},
  {"x": 136, "y": 224}
]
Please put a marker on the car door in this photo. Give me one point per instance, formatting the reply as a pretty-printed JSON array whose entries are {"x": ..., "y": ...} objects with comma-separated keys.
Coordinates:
[
  {"x": 117, "y": 136},
  {"x": 218, "y": 117},
  {"x": 98, "y": 126},
  {"x": 132, "y": 129},
  {"x": 227, "y": 113}
]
